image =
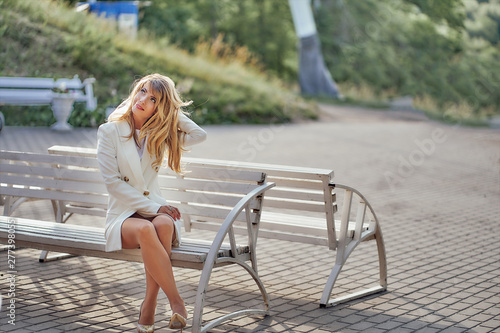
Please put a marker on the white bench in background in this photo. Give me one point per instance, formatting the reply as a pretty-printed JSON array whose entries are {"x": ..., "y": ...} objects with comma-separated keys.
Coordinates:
[{"x": 61, "y": 94}]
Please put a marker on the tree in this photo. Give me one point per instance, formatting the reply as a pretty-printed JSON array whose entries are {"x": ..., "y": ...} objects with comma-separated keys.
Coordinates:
[
  {"x": 314, "y": 77},
  {"x": 450, "y": 11},
  {"x": 264, "y": 27}
]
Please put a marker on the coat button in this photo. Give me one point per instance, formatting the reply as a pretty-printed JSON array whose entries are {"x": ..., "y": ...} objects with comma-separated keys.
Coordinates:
[
  {"x": 126, "y": 179},
  {"x": 146, "y": 193}
]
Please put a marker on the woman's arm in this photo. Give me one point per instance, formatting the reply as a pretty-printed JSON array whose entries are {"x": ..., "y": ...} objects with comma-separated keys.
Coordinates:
[
  {"x": 116, "y": 186},
  {"x": 192, "y": 133}
]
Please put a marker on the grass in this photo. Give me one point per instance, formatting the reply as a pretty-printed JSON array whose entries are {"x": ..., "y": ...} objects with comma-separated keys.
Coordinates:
[
  {"x": 47, "y": 39},
  {"x": 359, "y": 95},
  {"x": 456, "y": 113}
]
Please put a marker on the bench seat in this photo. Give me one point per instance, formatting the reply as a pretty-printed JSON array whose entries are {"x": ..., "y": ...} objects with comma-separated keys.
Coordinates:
[{"x": 90, "y": 241}]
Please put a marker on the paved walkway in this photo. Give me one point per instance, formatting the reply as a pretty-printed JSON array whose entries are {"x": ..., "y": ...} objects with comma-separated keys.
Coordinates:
[{"x": 435, "y": 188}]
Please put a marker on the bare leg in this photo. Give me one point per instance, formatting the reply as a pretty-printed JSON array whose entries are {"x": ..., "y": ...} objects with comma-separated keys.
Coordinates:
[
  {"x": 142, "y": 233},
  {"x": 149, "y": 304},
  {"x": 165, "y": 230}
]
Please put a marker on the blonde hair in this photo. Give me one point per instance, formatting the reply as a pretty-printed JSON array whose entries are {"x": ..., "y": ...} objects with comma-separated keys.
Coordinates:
[{"x": 161, "y": 128}]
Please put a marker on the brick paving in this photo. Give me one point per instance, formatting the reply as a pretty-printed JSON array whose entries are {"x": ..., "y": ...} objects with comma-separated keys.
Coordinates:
[{"x": 435, "y": 188}]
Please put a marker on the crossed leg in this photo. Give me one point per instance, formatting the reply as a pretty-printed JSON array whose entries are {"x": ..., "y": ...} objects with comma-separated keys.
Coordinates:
[{"x": 155, "y": 240}]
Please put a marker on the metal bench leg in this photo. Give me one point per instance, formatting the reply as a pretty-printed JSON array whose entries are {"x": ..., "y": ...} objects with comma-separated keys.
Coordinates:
[
  {"x": 11, "y": 203},
  {"x": 44, "y": 256},
  {"x": 382, "y": 261},
  {"x": 327, "y": 291},
  {"x": 200, "y": 301},
  {"x": 58, "y": 207}
]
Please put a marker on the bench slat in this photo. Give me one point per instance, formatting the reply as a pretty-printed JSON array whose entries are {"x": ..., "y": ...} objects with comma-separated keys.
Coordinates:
[
  {"x": 61, "y": 229},
  {"x": 21, "y": 97},
  {"x": 39, "y": 193},
  {"x": 76, "y": 238},
  {"x": 93, "y": 211},
  {"x": 73, "y": 151},
  {"x": 45, "y": 170},
  {"x": 277, "y": 170},
  {"x": 206, "y": 172},
  {"x": 221, "y": 199},
  {"x": 26, "y": 82},
  {"x": 213, "y": 213},
  {"x": 295, "y": 182},
  {"x": 205, "y": 185},
  {"x": 51, "y": 184},
  {"x": 295, "y": 194},
  {"x": 295, "y": 205},
  {"x": 50, "y": 159},
  {"x": 94, "y": 235}
]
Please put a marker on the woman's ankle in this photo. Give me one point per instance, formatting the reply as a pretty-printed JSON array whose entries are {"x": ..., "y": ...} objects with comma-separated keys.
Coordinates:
[
  {"x": 179, "y": 307},
  {"x": 147, "y": 312}
]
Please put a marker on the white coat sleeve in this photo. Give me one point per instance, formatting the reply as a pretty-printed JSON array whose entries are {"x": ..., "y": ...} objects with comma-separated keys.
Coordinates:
[
  {"x": 191, "y": 133},
  {"x": 116, "y": 186}
]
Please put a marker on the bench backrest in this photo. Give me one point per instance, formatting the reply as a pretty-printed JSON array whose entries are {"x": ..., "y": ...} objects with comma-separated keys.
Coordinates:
[
  {"x": 297, "y": 188},
  {"x": 36, "y": 91},
  {"x": 206, "y": 193},
  {"x": 299, "y": 192}
]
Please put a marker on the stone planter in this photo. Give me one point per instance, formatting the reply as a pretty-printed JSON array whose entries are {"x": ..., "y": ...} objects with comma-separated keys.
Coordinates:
[{"x": 62, "y": 105}]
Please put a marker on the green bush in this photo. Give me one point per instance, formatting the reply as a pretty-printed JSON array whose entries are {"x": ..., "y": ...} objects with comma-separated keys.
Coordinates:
[{"x": 47, "y": 39}]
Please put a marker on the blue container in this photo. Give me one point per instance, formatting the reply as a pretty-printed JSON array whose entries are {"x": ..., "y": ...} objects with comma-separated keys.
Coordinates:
[{"x": 114, "y": 9}]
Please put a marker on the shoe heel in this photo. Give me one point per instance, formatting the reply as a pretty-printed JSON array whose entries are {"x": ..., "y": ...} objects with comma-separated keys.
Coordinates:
[{"x": 177, "y": 321}]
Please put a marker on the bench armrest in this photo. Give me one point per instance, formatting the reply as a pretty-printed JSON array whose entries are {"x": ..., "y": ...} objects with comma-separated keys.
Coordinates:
[
  {"x": 361, "y": 196},
  {"x": 231, "y": 217}
]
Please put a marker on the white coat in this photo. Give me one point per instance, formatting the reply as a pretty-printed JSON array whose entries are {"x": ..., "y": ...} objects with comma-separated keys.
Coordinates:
[{"x": 130, "y": 180}]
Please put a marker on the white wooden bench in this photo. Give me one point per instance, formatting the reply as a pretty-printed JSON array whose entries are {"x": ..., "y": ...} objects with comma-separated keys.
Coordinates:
[
  {"x": 61, "y": 94},
  {"x": 207, "y": 194},
  {"x": 300, "y": 208}
]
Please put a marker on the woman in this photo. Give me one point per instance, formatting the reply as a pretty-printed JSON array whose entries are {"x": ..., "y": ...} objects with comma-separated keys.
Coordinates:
[{"x": 131, "y": 147}]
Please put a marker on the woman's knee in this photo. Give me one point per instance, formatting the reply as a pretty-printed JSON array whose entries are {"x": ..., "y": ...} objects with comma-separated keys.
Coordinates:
[
  {"x": 163, "y": 224},
  {"x": 146, "y": 231},
  {"x": 136, "y": 232}
]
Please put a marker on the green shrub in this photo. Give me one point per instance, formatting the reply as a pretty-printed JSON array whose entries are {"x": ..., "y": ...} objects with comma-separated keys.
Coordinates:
[{"x": 46, "y": 39}]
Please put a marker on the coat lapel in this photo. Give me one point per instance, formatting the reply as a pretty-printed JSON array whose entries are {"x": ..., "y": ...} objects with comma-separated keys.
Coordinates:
[
  {"x": 146, "y": 164},
  {"x": 145, "y": 161},
  {"x": 129, "y": 149}
]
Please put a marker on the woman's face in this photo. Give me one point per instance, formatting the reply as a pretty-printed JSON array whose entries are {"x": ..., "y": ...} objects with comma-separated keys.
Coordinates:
[{"x": 144, "y": 104}]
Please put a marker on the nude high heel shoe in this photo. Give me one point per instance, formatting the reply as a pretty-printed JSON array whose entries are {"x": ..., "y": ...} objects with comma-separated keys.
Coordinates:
[
  {"x": 144, "y": 328},
  {"x": 177, "y": 321}
]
